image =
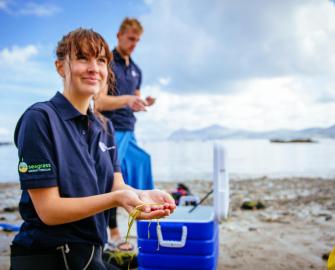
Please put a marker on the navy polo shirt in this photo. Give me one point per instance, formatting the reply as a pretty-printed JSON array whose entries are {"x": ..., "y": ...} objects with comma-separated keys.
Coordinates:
[
  {"x": 58, "y": 146},
  {"x": 128, "y": 79}
]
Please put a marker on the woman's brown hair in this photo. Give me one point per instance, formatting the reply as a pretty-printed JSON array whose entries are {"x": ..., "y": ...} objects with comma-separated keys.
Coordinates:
[{"x": 88, "y": 43}]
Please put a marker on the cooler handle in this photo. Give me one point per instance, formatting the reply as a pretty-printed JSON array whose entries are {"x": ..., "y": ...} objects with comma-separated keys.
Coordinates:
[{"x": 172, "y": 243}]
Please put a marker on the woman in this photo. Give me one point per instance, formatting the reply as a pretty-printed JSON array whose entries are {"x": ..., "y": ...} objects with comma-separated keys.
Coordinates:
[{"x": 68, "y": 168}]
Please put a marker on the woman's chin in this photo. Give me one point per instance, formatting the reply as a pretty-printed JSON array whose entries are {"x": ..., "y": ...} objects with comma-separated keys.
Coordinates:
[{"x": 91, "y": 91}]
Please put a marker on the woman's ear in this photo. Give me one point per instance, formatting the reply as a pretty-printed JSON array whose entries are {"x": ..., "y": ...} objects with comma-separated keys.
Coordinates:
[{"x": 60, "y": 67}]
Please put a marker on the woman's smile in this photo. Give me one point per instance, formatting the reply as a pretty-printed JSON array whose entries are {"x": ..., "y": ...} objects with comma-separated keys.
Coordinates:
[{"x": 90, "y": 80}]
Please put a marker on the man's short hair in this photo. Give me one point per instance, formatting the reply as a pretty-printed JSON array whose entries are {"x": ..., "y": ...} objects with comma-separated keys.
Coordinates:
[{"x": 131, "y": 23}]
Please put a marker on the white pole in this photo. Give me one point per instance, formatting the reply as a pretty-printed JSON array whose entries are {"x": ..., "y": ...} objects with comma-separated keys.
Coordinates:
[{"x": 220, "y": 183}]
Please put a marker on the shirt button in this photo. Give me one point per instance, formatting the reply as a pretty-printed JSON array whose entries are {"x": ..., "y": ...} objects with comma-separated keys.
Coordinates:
[{"x": 83, "y": 132}]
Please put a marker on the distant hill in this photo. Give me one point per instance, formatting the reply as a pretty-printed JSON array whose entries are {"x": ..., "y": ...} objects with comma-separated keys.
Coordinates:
[
  {"x": 5, "y": 143},
  {"x": 217, "y": 132}
]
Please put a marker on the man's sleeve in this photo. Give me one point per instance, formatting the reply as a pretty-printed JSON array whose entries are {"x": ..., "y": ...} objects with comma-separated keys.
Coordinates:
[
  {"x": 37, "y": 160},
  {"x": 138, "y": 86}
]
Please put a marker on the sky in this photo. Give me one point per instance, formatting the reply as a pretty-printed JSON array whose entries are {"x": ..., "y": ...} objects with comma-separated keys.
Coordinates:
[{"x": 257, "y": 65}]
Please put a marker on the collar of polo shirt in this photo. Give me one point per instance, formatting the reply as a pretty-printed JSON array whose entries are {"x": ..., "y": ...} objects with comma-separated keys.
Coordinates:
[
  {"x": 118, "y": 58},
  {"x": 66, "y": 110}
]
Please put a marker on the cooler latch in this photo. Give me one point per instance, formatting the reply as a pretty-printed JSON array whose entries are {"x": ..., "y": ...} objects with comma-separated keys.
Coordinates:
[{"x": 172, "y": 243}]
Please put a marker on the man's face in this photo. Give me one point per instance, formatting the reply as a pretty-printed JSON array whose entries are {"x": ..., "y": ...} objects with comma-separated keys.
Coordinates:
[{"x": 127, "y": 41}]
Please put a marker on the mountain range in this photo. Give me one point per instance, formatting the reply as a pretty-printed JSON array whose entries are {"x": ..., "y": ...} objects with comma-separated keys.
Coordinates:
[{"x": 217, "y": 132}]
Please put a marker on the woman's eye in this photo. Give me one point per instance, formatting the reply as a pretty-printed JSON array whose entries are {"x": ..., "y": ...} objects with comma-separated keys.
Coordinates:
[
  {"x": 102, "y": 60},
  {"x": 81, "y": 57}
]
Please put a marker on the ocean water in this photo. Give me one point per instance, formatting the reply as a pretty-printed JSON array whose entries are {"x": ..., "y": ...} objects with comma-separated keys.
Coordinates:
[{"x": 182, "y": 161}]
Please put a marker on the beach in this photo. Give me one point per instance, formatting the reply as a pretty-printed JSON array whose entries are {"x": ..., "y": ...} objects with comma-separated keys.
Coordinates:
[{"x": 295, "y": 230}]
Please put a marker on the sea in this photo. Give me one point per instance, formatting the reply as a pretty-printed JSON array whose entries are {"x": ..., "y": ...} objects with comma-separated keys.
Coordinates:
[{"x": 245, "y": 159}]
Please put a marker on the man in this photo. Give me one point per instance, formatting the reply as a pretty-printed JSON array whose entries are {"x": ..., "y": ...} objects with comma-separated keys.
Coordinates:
[{"x": 119, "y": 104}]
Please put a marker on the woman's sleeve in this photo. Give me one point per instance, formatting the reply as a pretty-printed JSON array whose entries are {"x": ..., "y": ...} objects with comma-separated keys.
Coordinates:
[
  {"x": 37, "y": 159},
  {"x": 113, "y": 153}
]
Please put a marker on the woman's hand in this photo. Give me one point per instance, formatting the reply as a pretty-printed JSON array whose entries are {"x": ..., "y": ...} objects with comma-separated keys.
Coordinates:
[
  {"x": 161, "y": 200},
  {"x": 130, "y": 200}
]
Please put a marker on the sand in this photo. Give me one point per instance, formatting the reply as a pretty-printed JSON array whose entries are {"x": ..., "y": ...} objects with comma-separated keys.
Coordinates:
[{"x": 294, "y": 231}]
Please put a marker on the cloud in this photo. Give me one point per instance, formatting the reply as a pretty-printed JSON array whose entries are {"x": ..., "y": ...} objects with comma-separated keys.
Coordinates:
[
  {"x": 266, "y": 104},
  {"x": 29, "y": 9},
  {"x": 25, "y": 78},
  {"x": 31, "y": 62},
  {"x": 26, "y": 74},
  {"x": 17, "y": 55},
  {"x": 40, "y": 10},
  {"x": 3, "y": 4},
  {"x": 20, "y": 65},
  {"x": 259, "y": 66},
  {"x": 164, "y": 81},
  {"x": 238, "y": 41}
]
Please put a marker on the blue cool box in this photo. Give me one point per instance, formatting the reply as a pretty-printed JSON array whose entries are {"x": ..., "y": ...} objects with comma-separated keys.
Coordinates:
[{"x": 186, "y": 241}]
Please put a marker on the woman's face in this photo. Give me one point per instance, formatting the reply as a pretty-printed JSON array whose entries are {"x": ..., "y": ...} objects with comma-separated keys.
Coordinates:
[{"x": 84, "y": 76}]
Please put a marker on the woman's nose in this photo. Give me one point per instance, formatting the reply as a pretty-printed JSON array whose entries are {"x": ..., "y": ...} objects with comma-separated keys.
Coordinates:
[{"x": 93, "y": 65}]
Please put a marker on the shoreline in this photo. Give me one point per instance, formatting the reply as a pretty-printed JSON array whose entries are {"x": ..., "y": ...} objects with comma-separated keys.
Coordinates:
[
  {"x": 232, "y": 176},
  {"x": 294, "y": 231}
]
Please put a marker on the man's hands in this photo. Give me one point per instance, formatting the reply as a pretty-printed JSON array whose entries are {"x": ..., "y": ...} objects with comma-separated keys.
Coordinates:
[
  {"x": 137, "y": 104},
  {"x": 150, "y": 100}
]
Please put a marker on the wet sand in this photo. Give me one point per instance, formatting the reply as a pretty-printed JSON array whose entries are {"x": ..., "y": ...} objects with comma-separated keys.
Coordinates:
[{"x": 294, "y": 231}]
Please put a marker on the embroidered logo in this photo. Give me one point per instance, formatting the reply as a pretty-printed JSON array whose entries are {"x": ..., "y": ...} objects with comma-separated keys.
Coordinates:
[
  {"x": 23, "y": 167},
  {"x": 104, "y": 147},
  {"x": 33, "y": 168}
]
